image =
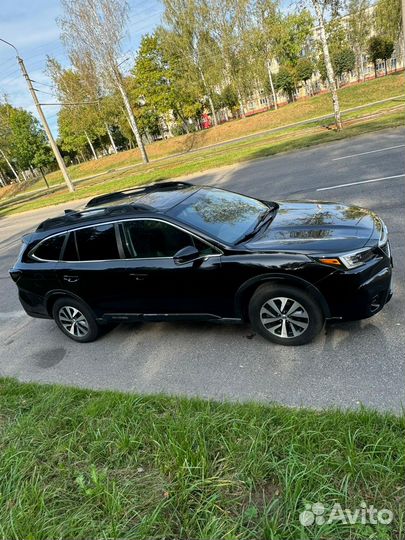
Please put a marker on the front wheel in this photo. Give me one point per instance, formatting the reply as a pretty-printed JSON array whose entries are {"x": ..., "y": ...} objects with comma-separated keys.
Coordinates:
[
  {"x": 75, "y": 320},
  {"x": 285, "y": 315}
]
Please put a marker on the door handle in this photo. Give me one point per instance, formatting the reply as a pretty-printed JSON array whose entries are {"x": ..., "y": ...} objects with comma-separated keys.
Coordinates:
[
  {"x": 71, "y": 279},
  {"x": 138, "y": 277}
]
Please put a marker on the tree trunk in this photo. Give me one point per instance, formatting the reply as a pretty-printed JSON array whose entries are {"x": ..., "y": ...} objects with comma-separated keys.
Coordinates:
[
  {"x": 131, "y": 117},
  {"x": 385, "y": 66},
  {"x": 363, "y": 75},
  {"x": 241, "y": 108},
  {"x": 185, "y": 124},
  {"x": 11, "y": 167},
  {"x": 375, "y": 69},
  {"x": 213, "y": 111},
  {"x": 111, "y": 138},
  {"x": 91, "y": 145},
  {"x": 44, "y": 177},
  {"x": 328, "y": 63},
  {"x": 273, "y": 92},
  {"x": 207, "y": 91}
]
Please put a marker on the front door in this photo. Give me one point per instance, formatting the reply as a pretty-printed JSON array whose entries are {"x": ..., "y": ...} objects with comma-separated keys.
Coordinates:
[{"x": 156, "y": 283}]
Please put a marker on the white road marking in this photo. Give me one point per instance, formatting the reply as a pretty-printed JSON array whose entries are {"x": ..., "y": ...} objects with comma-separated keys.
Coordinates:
[
  {"x": 370, "y": 152},
  {"x": 362, "y": 182}
]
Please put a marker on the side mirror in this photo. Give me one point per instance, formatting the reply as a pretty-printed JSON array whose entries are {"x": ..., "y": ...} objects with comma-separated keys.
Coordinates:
[{"x": 186, "y": 254}]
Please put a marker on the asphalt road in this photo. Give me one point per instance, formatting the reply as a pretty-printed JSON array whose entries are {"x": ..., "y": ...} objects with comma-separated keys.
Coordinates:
[{"x": 349, "y": 364}]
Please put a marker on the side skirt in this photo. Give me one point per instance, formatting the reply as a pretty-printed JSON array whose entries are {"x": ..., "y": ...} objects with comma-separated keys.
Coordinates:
[{"x": 159, "y": 317}]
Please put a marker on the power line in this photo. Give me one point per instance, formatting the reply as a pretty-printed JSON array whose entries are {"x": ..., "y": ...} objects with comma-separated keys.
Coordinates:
[
  {"x": 43, "y": 92},
  {"x": 43, "y": 84}
]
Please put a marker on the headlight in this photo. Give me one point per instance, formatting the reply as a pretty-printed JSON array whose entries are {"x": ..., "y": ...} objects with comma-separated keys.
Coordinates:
[
  {"x": 357, "y": 258},
  {"x": 350, "y": 260}
]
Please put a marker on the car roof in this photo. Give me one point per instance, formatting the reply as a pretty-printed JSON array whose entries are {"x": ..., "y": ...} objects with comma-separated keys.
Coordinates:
[{"x": 151, "y": 199}]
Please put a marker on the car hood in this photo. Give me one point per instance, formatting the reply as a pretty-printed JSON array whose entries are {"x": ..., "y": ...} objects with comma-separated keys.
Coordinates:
[{"x": 317, "y": 227}]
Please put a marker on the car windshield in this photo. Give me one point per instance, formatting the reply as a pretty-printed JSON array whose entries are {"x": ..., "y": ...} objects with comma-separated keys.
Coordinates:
[{"x": 223, "y": 215}]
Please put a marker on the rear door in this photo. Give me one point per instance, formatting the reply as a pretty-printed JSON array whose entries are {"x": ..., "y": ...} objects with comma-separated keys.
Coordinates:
[{"x": 92, "y": 268}]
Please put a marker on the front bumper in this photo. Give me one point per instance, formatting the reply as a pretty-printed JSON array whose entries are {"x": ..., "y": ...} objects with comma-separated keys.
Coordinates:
[{"x": 359, "y": 293}]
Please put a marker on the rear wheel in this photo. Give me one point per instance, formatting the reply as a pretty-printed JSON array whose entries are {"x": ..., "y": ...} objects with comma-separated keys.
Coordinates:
[
  {"x": 285, "y": 315},
  {"x": 75, "y": 320}
]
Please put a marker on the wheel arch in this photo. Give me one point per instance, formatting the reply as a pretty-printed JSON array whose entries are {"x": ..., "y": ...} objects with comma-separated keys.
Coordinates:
[
  {"x": 55, "y": 295},
  {"x": 248, "y": 288}
]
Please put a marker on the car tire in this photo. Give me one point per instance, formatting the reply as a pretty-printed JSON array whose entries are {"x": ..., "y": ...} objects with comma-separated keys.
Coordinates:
[
  {"x": 75, "y": 320},
  {"x": 285, "y": 315}
]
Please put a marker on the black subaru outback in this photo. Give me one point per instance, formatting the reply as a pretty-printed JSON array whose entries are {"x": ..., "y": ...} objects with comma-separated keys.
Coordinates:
[{"x": 178, "y": 251}]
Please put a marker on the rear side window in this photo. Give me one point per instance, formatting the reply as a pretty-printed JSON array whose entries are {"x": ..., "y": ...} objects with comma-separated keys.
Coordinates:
[
  {"x": 96, "y": 243},
  {"x": 70, "y": 252},
  {"x": 50, "y": 248}
]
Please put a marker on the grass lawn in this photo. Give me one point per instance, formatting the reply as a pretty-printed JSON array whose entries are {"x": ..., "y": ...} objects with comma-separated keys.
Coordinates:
[
  {"x": 85, "y": 464},
  {"x": 203, "y": 160},
  {"x": 352, "y": 96}
]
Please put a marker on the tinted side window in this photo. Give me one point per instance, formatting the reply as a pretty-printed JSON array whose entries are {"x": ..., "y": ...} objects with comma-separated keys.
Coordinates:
[
  {"x": 97, "y": 243},
  {"x": 150, "y": 239},
  {"x": 70, "y": 252},
  {"x": 49, "y": 249},
  {"x": 203, "y": 248}
]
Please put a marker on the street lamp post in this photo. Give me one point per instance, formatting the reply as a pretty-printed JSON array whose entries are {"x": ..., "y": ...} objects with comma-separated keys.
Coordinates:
[{"x": 44, "y": 122}]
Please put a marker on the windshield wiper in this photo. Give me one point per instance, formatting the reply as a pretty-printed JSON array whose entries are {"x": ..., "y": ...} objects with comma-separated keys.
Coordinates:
[{"x": 264, "y": 219}]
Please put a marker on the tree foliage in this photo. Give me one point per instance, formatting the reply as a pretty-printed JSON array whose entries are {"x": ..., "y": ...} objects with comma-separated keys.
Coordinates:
[
  {"x": 343, "y": 61},
  {"x": 22, "y": 139},
  {"x": 93, "y": 32},
  {"x": 388, "y": 19},
  {"x": 380, "y": 48},
  {"x": 286, "y": 81},
  {"x": 358, "y": 30},
  {"x": 304, "y": 69}
]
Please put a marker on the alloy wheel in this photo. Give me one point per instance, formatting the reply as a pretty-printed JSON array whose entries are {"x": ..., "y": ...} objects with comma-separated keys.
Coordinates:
[
  {"x": 73, "y": 321},
  {"x": 284, "y": 317}
]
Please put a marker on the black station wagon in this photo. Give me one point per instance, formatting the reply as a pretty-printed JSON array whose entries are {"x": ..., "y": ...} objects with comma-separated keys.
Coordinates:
[{"x": 174, "y": 250}]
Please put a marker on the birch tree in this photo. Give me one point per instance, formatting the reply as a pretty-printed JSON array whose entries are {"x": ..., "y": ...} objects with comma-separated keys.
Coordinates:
[
  {"x": 358, "y": 30},
  {"x": 229, "y": 23},
  {"x": 268, "y": 24},
  {"x": 320, "y": 7},
  {"x": 186, "y": 21},
  {"x": 95, "y": 29}
]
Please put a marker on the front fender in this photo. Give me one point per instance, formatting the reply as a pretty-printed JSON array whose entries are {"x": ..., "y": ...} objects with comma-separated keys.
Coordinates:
[{"x": 246, "y": 290}]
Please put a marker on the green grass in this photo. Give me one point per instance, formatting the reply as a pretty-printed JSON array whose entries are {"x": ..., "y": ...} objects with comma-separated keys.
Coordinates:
[
  {"x": 203, "y": 160},
  {"x": 83, "y": 464},
  {"x": 302, "y": 110}
]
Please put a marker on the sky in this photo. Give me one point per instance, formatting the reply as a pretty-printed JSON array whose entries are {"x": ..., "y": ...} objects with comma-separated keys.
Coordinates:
[{"x": 31, "y": 27}]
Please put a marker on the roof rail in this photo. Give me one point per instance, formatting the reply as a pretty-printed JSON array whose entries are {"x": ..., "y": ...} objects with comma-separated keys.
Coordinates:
[
  {"x": 117, "y": 195},
  {"x": 73, "y": 216}
]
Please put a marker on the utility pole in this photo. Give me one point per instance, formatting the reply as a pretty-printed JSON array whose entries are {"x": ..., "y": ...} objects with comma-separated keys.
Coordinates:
[
  {"x": 44, "y": 122},
  {"x": 52, "y": 142}
]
